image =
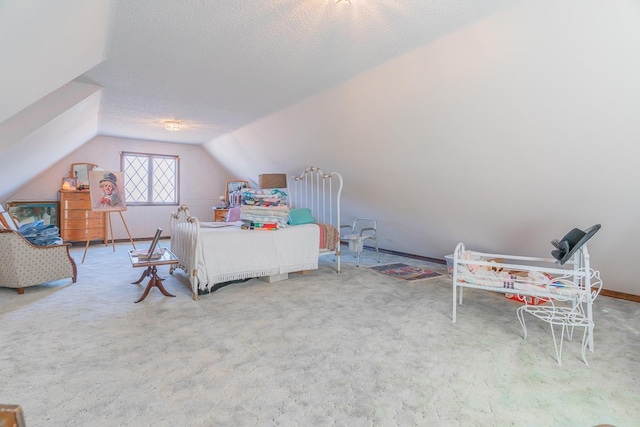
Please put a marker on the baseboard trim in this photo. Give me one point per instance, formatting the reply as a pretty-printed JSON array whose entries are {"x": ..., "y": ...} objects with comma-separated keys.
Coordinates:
[
  {"x": 603, "y": 292},
  {"x": 620, "y": 295},
  {"x": 100, "y": 242},
  {"x": 420, "y": 257}
]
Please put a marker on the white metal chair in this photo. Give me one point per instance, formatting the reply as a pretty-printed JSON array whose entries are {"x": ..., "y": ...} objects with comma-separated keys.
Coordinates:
[
  {"x": 566, "y": 308},
  {"x": 362, "y": 229}
]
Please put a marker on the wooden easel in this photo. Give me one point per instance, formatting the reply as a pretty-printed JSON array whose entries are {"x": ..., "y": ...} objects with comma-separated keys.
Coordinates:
[
  {"x": 125, "y": 227},
  {"x": 111, "y": 232}
]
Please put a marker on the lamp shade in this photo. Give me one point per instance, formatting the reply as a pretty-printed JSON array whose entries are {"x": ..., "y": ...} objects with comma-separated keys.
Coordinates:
[{"x": 272, "y": 180}]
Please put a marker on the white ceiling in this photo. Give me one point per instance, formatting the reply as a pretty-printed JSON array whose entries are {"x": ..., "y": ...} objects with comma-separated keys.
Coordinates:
[{"x": 219, "y": 65}]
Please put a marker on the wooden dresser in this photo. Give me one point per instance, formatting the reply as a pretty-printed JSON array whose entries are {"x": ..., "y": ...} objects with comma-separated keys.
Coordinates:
[{"x": 78, "y": 223}]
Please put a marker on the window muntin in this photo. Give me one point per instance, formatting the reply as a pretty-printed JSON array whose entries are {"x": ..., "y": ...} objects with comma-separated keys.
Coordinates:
[{"x": 150, "y": 179}]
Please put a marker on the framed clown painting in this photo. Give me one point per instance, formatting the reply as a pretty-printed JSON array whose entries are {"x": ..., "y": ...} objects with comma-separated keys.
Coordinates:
[{"x": 107, "y": 191}]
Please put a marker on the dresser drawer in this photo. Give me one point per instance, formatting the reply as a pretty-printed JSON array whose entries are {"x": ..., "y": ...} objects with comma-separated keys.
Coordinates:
[
  {"x": 82, "y": 235},
  {"x": 77, "y": 195},
  {"x": 77, "y": 224},
  {"x": 81, "y": 214},
  {"x": 77, "y": 204}
]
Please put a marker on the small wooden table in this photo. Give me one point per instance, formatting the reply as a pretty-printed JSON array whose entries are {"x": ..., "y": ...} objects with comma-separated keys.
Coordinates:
[{"x": 167, "y": 258}]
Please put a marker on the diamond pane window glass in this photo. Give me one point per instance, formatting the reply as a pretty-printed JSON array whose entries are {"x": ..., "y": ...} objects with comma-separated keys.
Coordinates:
[
  {"x": 150, "y": 179},
  {"x": 136, "y": 172},
  {"x": 164, "y": 180}
]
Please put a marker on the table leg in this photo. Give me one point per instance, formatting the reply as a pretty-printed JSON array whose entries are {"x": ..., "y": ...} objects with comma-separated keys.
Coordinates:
[
  {"x": 144, "y": 274},
  {"x": 162, "y": 289},
  {"x": 153, "y": 281}
]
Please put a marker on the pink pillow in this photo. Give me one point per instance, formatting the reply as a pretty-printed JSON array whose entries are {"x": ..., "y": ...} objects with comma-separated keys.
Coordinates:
[{"x": 234, "y": 214}]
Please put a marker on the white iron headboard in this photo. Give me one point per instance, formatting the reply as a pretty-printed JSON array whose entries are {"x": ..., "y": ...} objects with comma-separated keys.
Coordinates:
[{"x": 318, "y": 191}]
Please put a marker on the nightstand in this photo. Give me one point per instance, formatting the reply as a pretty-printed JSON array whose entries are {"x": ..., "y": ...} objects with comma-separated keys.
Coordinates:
[{"x": 219, "y": 214}]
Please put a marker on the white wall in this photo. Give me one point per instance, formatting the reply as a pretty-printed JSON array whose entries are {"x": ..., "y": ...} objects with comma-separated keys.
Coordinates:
[
  {"x": 202, "y": 181},
  {"x": 504, "y": 135}
]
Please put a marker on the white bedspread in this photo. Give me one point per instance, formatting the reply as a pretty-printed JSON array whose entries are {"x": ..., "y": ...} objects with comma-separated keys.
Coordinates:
[{"x": 229, "y": 253}]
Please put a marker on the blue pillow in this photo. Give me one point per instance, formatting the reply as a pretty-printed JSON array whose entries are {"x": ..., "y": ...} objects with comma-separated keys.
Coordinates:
[{"x": 301, "y": 216}]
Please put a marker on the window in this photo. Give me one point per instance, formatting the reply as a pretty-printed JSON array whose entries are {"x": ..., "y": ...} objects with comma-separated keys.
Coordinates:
[{"x": 150, "y": 179}]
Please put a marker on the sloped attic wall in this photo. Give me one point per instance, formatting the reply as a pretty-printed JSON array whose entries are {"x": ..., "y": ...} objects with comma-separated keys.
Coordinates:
[
  {"x": 504, "y": 136},
  {"x": 36, "y": 137},
  {"x": 44, "y": 115},
  {"x": 46, "y": 44}
]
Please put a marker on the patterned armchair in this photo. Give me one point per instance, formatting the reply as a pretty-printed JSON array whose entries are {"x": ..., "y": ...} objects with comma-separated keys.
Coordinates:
[{"x": 23, "y": 264}]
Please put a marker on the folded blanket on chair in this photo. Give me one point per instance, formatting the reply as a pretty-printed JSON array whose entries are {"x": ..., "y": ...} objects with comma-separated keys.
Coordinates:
[{"x": 40, "y": 234}]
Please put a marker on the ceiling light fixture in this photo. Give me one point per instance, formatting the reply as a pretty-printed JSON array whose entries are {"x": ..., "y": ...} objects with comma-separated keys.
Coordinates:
[
  {"x": 338, "y": 1},
  {"x": 172, "y": 125}
]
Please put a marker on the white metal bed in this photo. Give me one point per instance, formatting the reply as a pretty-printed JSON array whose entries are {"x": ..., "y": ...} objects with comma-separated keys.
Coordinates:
[{"x": 216, "y": 253}]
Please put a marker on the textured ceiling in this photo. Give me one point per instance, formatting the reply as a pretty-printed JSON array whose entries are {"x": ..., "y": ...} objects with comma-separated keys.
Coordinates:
[{"x": 219, "y": 65}]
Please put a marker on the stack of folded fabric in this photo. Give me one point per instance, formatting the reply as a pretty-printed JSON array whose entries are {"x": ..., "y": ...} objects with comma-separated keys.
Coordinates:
[
  {"x": 264, "y": 197},
  {"x": 272, "y": 217}
]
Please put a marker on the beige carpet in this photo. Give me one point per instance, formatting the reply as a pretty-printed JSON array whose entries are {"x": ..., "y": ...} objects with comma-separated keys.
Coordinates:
[{"x": 351, "y": 349}]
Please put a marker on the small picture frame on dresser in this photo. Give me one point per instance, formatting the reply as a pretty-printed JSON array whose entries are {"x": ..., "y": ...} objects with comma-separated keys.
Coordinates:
[{"x": 69, "y": 184}]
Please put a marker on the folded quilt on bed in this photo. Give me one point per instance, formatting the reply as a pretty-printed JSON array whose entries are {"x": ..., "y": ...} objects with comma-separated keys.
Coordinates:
[{"x": 262, "y": 214}]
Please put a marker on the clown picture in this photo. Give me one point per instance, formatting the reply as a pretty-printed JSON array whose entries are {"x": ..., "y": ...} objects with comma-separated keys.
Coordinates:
[{"x": 106, "y": 191}]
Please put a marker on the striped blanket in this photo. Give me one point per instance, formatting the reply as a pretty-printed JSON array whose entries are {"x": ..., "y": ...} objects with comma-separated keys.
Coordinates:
[{"x": 329, "y": 236}]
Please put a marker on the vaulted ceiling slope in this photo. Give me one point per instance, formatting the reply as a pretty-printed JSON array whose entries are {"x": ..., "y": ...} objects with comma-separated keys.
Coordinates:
[
  {"x": 217, "y": 66},
  {"x": 214, "y": 66}
]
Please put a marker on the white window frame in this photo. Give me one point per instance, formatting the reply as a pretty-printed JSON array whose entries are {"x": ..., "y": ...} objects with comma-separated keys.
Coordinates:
[{"x": 150, "y": 178}]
